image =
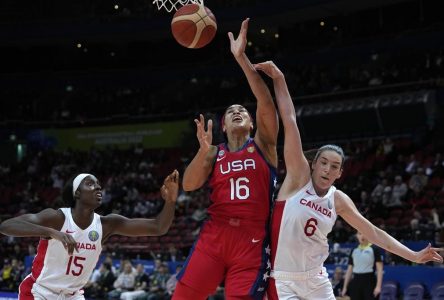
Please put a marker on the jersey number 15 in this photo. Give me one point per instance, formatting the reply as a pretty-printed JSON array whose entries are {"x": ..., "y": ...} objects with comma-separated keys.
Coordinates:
[{"x": 76, "y": 261}]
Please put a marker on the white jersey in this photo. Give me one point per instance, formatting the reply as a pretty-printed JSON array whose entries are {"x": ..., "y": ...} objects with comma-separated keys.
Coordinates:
[
  {"x": 55, "y": 270},
  {"x": 301, "y": 225}
]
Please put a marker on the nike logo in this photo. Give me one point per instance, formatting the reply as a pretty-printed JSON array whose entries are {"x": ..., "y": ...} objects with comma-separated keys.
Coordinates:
[
  {"x": 255, "y": 241},
  {"x": 220, "y": 158},
  {"x": 308, "y": 192},
  {"x": 67, "y": 231}
]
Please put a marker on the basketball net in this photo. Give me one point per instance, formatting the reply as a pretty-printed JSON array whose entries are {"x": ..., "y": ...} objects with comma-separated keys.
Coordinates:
[{"x": 170, "y": 5}]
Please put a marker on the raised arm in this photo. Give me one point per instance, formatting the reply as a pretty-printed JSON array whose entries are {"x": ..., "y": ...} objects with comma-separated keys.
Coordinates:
[
  {"x": 44, "y": 224},
  {"x": 117, "y": 224},
  {"x": 199, "y": 169},
  {"x": 266, "y": 117},
  {"x": 348, "y": 211},
  {"x": 298, "y": 169}
]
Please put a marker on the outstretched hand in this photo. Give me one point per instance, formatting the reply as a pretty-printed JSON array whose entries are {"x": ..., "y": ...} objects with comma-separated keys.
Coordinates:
[
  {"x": 429, "y": 254},
  {"x": 269, "y": 68},
  {"x": 205, "y": 137},
  {"x": 170, "y": 187},
  {"x": 237, "y": 45}
]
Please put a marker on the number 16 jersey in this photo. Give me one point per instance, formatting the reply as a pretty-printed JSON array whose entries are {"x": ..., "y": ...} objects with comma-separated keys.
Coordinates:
[{"x": 242, "y": 184}]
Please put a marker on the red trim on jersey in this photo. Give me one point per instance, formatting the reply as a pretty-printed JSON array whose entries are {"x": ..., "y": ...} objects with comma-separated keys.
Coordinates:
[
  {"x": 25, "y": 289},
  {"x": 39, "y": 260},
  {"x": 276, "y": 219}
]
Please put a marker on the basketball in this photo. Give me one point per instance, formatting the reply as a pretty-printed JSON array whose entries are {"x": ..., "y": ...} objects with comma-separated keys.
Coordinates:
[{"x": 193, "y": 26}]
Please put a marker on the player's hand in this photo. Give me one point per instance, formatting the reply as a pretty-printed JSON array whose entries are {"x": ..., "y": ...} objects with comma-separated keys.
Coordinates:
[
  {"x": 376, "y": 291},
  {"x": 66, "y": 239},
  {"x": 270, "y": 69},
  {"x": 428, "y": 254},
  {"x": 344, "y": 292},
  {"x": 170, "y": 187},
  {"x": 205, "y": 137},
  {"x": 238, "y": 45}
]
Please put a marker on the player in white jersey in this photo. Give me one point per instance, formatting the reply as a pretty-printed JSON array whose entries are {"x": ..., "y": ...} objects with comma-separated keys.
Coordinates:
[
  {"x": 306, "y": 210},
  {"x": 72, "y": 238}
]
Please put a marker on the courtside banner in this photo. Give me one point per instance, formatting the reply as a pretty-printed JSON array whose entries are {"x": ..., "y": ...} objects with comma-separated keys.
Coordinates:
[
  {"x": 8, "y": 296},
  {"x": 150, "y": 135}
]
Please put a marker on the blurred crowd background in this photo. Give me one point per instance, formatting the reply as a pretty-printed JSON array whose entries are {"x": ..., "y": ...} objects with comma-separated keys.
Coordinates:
[{"x": 367, "y": 76}]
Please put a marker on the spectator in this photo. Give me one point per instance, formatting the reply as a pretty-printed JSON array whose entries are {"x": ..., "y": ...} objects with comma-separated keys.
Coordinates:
[
  {"x": 399, "y": 192},
  {"x": 418, "y": 181},
  {"x": 124, "y": 282},
  {"x": 140, "y": 287},
  {"x": 172, "y": 281}
]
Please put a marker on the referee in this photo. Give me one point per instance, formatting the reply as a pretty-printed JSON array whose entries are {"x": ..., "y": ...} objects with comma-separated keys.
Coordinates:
[{"x": 363, "y": 261}]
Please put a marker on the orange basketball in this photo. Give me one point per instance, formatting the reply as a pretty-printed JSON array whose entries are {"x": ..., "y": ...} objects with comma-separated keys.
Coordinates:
[{"x": 193, "y": 26}]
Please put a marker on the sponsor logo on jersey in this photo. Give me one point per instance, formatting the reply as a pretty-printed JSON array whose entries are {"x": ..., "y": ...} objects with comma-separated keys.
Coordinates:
[
  {"x": 93, "y": 235},
  {"x": 86, "y": 246},
  {"x": 220, "y": 155},
  {"x": 250, "y": 149},
  {"x": 237, "y": 165},
  {"x": 316, "y": 207},
  {"x": 69, "y": 231}
]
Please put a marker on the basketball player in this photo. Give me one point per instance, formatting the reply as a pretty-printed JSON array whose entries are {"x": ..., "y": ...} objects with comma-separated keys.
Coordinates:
[
  {"x": 72, "y": 238},
  {"x": 306, "y": 209},
  {"x": 233, "y": 244}
]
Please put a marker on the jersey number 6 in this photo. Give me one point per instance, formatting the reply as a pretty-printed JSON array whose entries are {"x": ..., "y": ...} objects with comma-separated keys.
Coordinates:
[{"x": 310, "y": 226}]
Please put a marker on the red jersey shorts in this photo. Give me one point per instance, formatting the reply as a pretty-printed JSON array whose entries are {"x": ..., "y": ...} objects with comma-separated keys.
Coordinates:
[{"x": 232, "y": 249}]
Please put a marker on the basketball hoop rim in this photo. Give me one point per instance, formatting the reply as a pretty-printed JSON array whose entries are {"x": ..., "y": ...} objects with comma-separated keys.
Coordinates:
[{"x": 174, "y": 5}]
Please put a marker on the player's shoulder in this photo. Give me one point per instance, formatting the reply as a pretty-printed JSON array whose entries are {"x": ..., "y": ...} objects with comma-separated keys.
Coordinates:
[
  {"x": 110, "y": 219},
  {"x": 51, "y": 213},
  {"x": 342, "y": 201}
]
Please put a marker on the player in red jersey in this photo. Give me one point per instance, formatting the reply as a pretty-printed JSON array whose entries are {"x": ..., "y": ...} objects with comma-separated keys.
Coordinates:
[{"x": 233, "y": 243}]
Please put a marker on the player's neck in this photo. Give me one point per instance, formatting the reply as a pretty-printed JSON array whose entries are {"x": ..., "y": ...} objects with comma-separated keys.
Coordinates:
[
  {"x": 82, "y": 216},
  {"x": 236, "y": 142}
]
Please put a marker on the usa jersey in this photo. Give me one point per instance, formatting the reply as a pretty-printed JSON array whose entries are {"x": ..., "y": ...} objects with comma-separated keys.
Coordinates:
[
  {"x": 300, "y": 226},
  {"x": 242, "y": 183},
  {"x": 55, "y": 270}
]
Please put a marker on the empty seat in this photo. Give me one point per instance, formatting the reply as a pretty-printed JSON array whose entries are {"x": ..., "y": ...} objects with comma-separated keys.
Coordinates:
[
  {"x": 389, "y": 291},
  {"x": 438, "y": 291},
  {"x": 414, "y": 291}
]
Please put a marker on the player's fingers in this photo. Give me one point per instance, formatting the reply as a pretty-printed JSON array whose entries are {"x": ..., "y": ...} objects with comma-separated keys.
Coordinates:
[
  {"x": 230, "y": 36},
  {"x": 437, "y": 249},
  {"x": 175, "y": 175},
  {"x": 72, "y": 242},
  {"x": 210, "y": 125},
  {"x": 244, "y": 27}
]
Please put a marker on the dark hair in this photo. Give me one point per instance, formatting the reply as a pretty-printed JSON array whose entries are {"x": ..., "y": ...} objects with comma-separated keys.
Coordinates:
[
  {"x": 310, "y": 155},
  {"x": 330, "y": 147},
  {"x": 67, "y": 195}
]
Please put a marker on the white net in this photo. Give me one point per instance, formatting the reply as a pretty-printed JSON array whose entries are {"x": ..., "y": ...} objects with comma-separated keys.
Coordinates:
[{"x": 170, "y": 5}]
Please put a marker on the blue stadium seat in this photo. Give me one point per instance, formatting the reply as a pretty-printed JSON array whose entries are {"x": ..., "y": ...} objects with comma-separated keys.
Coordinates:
[
  {"x": 414, "y": 291},
  {"x": 389, "y": 291},
  {"x": 438, "y": 291}
]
